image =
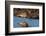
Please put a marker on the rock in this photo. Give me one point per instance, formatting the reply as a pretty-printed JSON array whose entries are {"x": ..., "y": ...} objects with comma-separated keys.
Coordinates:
[{"x": 27, "y": 13}]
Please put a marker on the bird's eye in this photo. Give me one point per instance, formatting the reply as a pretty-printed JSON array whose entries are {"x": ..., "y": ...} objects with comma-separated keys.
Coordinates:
[{"x": 19, "y": 16}]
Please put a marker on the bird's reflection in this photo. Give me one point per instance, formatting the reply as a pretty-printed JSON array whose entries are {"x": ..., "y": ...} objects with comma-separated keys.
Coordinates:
[{"x": 23, "y": 24}]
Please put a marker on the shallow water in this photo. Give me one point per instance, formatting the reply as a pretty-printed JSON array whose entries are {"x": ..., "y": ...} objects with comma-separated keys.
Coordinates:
[{"x": 31, "y": 22}]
